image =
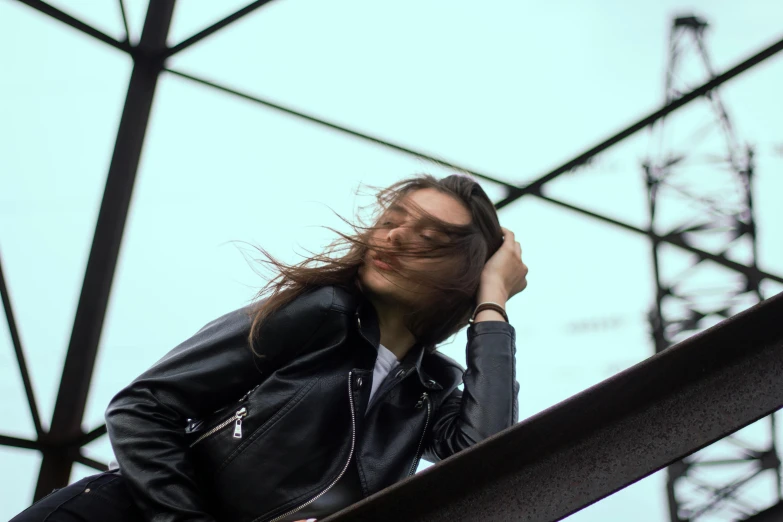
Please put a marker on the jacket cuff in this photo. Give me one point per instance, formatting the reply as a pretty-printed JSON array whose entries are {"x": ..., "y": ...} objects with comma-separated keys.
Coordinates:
[{"x": 491, "y": 327}]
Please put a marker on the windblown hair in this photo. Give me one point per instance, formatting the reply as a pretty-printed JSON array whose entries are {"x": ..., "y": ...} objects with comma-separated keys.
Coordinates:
[{"x": 447, "y": 296}]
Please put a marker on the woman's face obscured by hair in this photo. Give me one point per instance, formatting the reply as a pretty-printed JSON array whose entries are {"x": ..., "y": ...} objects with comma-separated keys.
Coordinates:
[{"x": 400, "y": 228}]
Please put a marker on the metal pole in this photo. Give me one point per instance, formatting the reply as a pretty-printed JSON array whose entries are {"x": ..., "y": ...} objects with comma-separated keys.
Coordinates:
[{"x": 60, "y": 446}]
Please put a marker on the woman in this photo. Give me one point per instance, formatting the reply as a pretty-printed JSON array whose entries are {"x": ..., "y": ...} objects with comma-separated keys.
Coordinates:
[{"x": 330, "y": 388}]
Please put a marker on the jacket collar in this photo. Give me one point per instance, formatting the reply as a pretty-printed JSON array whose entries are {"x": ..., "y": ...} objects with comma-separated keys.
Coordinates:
[{"x": 367, "y": 324}]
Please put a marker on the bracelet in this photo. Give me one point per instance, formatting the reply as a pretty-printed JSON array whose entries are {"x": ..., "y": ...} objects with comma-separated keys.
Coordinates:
[{"x": 488, "y": 305}]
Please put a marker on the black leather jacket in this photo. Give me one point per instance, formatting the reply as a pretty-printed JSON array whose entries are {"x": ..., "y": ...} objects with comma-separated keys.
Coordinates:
[{"x": 313, "y": 428}]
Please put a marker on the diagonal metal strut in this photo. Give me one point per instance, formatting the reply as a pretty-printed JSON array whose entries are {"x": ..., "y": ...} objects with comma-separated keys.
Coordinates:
[
  {"x": 20, "y": 358},
  {"x": 76, "y": 24},
  {"x": 60, "y": 446}
]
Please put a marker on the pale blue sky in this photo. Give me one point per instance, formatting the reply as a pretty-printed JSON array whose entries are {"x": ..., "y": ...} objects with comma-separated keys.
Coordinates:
[{"x": 508, "y": 88}]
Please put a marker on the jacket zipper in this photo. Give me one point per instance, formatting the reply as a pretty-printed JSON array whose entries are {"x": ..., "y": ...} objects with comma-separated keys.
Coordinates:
[
  {"x": 424, "y": 397},
  {"x": 236, "y": 419},
  {"x": 350, "y": 456}
]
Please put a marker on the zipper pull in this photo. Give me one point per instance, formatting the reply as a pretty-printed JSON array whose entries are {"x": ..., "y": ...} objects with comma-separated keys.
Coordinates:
[
  {"x": 238, "y": 424},
  {"x": 421, "y": 401}
]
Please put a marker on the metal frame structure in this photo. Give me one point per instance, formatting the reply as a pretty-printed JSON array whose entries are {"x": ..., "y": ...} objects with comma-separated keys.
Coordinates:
[
  {"x": 57, "y": 445},
  {"x": 61, "y": 445},
  {"x": 719, "y": 206}
]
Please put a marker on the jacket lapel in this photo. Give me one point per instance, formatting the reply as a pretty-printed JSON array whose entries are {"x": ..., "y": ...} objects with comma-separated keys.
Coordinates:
[{"x": 366, "y": 322}]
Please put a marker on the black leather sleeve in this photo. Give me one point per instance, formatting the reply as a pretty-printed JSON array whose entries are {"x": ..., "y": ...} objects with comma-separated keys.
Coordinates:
[
  {"x": 146, "y": 420},
  {"x": 488, "y": 403}
]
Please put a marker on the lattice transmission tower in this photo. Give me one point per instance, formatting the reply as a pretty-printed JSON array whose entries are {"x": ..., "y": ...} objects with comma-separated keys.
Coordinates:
[{"x": 699, "y": 179}]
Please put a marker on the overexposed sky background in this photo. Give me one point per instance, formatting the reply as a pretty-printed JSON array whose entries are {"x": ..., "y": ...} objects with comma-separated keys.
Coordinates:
[{"x": 509, "y": 88}]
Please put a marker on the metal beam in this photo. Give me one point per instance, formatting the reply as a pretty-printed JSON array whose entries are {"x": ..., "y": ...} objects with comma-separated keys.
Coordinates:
[
  {"x": 124, "y": 21},
  {"x": 20, "y": 359},
  {"x": 771, "y": 514},
  {"x": 693, "y": 496},
  {"x": 91, "y": 463},
  {"x": 216, "y": 27},
  {"x": 100, "y": 431},
  {"x": 513, "y": 192},
  {"x": 76, "y": 24},
  {"x": 511, "y": 189},
  {"x": 16, "y": 442},
  {"x": 535, "y": 186},
  {"x": 61, "y": 444},
  {"x": 606, "y": 437},
  {"x": 340, "y": 128},
  {"x": 751, "y": 272}
]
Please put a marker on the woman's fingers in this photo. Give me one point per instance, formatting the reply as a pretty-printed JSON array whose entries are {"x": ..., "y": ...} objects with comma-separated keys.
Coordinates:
[
  {"x": 510, "y": 241},
  {"x": 508, "y": 236},
  {"x": 516, "y": 247},
  {"x": 505, "y": 267}
]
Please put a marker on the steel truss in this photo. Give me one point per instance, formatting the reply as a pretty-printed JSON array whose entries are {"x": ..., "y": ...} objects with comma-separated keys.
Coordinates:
[
  {"x": 701, "y": 190},
  {"x": 61, "y": 445}
]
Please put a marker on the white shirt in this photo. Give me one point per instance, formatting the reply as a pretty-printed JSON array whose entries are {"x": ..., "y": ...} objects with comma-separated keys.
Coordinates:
[{"x": 384, "y": 364}]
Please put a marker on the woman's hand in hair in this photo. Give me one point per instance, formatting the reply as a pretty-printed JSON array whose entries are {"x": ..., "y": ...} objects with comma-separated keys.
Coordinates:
[{"x": 504, "y": 272}]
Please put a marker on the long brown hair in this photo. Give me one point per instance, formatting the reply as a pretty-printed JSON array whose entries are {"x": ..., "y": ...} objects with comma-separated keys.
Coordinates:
[{"x": 448, "y": 296}]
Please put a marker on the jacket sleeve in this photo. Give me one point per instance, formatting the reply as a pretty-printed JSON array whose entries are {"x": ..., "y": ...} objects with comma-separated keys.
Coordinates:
[
  {"x": 146, "y": 420},
  {"x": 488, "y": 403}
]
